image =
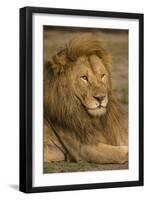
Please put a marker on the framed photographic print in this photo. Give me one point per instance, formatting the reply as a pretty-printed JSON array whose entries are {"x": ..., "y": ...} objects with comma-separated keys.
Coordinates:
[{"x": 81, "y": 99}]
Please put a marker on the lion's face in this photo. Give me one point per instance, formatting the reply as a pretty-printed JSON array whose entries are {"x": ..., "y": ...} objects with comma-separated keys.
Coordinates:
[{"x": 91, "y": 83}]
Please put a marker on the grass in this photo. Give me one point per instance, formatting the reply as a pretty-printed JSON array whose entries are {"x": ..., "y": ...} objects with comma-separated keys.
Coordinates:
[
  {"x": 68, "y": 167},
  {"x": 125, "y": 95},
  {"x": 80, "y": 166}
]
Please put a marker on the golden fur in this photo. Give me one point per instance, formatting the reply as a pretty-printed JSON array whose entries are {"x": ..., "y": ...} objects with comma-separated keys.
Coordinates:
[{"x": 79, "y": 134}]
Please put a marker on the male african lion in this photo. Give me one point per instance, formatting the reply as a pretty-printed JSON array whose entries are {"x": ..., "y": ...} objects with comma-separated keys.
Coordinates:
[{"x": 82, "y": 119}]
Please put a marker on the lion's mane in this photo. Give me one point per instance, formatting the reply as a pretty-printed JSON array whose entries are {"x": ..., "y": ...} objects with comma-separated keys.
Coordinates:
[{"x": 60, "y": 105}]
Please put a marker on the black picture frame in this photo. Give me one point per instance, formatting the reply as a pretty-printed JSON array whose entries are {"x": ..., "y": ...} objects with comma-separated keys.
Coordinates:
[{"x": 26, "y": 98}]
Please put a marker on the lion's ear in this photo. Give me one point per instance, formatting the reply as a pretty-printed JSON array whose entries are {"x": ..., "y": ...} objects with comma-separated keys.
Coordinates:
[{"x": 59, "y": 62}]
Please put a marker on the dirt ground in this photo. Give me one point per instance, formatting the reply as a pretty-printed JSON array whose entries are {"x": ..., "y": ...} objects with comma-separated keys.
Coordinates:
[{"x": 116, "y": 42}]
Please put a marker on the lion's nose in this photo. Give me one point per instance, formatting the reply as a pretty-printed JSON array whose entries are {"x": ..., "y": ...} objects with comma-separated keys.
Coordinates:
[{"x": 100, "y": 98}]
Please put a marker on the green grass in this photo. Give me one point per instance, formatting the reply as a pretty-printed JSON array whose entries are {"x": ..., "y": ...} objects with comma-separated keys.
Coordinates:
[{"x": 80, "y": 166}]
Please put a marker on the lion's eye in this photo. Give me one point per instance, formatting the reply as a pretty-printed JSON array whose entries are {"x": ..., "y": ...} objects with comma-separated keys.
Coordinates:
[
  {"x": 84, "y": 78},
  {"x": 103, "y": 76}
]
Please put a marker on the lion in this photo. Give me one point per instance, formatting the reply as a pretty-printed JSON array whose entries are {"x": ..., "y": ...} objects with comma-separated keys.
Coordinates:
[{"x": 83, "y": 120}]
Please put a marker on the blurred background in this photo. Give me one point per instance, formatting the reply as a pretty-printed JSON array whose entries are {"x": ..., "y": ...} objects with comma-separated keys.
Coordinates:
[{"x": 116, "y": 43}]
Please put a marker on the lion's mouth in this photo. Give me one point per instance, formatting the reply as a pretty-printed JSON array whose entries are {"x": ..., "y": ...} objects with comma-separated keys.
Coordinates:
[
  {"x": 97, "y": 111},
  {"x": 98, "y": 107}
]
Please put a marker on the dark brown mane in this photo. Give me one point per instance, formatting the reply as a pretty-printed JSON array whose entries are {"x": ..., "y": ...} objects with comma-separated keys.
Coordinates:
[{"x": 61, "y": 106}]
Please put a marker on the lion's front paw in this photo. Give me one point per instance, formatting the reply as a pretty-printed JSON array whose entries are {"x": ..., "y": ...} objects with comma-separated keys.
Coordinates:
[{"x": 123, "y": 154}]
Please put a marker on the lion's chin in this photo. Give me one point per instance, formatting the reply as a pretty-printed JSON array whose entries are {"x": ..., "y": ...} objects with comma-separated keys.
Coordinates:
[{"x": 97, "y": 112}]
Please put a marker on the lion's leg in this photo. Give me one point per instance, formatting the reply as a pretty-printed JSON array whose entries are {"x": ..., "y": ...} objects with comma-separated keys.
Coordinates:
[
  {"x": 52, "y": 153},
  {"x": 98, "y": 153},
  {"x": 53, "y": 150},
  {"x": 103, "y": 153}
]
